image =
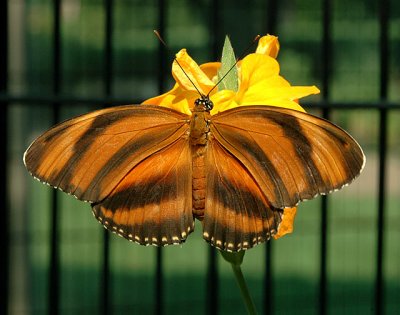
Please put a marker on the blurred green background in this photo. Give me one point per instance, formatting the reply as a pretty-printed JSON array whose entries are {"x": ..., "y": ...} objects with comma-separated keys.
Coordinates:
[{"x": 352, "y": 216}]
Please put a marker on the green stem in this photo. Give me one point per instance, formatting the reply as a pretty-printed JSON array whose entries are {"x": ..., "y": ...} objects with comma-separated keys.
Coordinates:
[{"x": 248, "y": 301}]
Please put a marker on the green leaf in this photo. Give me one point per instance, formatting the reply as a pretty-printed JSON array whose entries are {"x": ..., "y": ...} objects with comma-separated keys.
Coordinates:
[
  {"x": 233, "y": 258},
  {"x": 230, "y": 81}
]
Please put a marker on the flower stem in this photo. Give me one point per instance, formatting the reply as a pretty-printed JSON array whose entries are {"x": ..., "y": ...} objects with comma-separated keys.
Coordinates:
[{"x": 248, "y": 301}]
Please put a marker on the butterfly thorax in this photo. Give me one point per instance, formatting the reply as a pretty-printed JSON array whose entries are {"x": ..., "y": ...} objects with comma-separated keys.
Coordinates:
[
  {"x": 199, "y": 133},
  {"x": 199, "y": 123}
]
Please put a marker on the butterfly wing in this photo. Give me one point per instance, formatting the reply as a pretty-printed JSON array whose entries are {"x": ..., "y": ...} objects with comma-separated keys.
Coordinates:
[
  {"x": 291, "y": 155},
  {"x": 237, "y": 213},
  {"x": 89, "y": 155},
  {"x": 132, "y": 163},
  {"x": 262, "y": 159},
  {"x": 152, "y": 204}
]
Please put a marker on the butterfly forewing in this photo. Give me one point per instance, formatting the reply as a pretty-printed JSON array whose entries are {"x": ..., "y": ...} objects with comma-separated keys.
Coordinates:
[
  {"x": 292, "y": 156},
  {"x": 89, "y": 155},
  {"x": 237, "y": 213},
  {"x": 152, "y": 204}
]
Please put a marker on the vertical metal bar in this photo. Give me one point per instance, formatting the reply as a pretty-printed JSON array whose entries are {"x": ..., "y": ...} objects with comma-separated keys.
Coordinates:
[
  {"x": 215, "y": 29},
  {"x": 162, "y": 62},
  {"x": 272, "y": 17},
  {"x": 323, "y": 283},
  {"x": 326, "y": 76},
  {"x": 212, "y": 282},
  {"x": 5, "y": 230},
  {"x": 271, "y": 28},
  {"x": 159, "y": 294},
  {"x": 212, "y": 287},
  {"x": 54, "y": 276},
  {"x": 105, "y": 294},
  {"x": 162, "y": 54},
  {"x": 384, "y": 8},
  {"x": 268, "y": 284},
  {"x": 326, "y": 65},
  {"x": 108, "y": 65}
]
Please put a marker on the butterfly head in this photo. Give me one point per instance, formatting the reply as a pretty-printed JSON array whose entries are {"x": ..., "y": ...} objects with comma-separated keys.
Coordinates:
[{"x": 204, "y": 103}]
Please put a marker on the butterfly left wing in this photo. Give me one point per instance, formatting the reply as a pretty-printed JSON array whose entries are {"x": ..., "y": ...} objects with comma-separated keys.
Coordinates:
[
  {"x": 87, "y": 156},
  {"x": 237, "y": 213},
  {"x": 132, "y": 163},
  {"x": 152, "y": 205}
]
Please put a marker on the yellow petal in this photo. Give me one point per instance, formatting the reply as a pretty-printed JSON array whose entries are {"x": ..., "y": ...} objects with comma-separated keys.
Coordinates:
[
  {"x": 188, "y": 68},
  {"x": 210, "y": 69},
  {"x": 263, "y": 92},
  {"x": 223, "y": 100},
  {"x": 157, "y": 100},
  {"x": 286, "y": 225},
  {"x": 268, "y": 45},
  {"x": 278, "y": 103},
  {"x": 260, "y": 84},
  {"x": 176, "y": 98},
  {"x": 275, "y": 81},
  {"x": 253, "y": 69},
  {"x": 256, "y": 67}
]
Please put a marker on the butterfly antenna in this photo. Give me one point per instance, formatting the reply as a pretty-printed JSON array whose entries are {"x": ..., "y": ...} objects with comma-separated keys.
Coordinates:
[
  {"x": 165, "y": 45},
  {"x": 237, "y": 60},
  {"x": 157, "y": 33}
]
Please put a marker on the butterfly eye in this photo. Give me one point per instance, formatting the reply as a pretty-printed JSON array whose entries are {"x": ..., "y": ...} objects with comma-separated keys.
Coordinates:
[{"x": 206, "y": 102}]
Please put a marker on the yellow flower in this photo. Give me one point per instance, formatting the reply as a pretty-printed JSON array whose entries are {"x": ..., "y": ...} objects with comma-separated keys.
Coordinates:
[
  {"x": 287, "y": 223},
  {"x": 259, "y": 84},
  {"x": 268, "y": 45}
]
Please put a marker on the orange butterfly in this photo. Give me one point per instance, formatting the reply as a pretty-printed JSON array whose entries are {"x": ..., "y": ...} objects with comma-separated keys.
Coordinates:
[{"x": 149, "y": 171}]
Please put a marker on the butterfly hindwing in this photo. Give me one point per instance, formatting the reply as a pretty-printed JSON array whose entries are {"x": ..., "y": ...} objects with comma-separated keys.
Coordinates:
[
  {"x": 152, "y": 204},
  {"x": 292, "y": 156},
  {"x": 237, "y": 214},
  {"x": 89, "y": 155}
]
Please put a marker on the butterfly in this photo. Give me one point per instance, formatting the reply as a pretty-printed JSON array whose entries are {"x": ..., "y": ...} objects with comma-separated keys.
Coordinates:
[{"x": 149, "y": 171}]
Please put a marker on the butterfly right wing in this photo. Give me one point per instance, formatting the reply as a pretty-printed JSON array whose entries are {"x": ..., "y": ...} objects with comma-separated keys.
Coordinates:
[
  {"x": 89, "y": 155},
  {"x": 237, "y": 213},
  {"x": 293, "y": 156},
  {"x": 262, "y": 159}
]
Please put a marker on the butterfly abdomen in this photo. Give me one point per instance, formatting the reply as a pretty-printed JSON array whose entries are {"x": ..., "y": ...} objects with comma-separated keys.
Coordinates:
[
  {"x": 199, "y": 131},
  {"x": 198, "y": 182}
]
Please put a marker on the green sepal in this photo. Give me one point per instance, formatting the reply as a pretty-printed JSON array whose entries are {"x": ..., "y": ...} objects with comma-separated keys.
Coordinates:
[
  {"x": 228, "y": 59},
  {"x": 233, "y": 258}
]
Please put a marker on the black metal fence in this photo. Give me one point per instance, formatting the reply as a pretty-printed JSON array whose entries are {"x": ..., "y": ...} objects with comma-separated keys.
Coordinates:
[{"x": 269, "y": 16}]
